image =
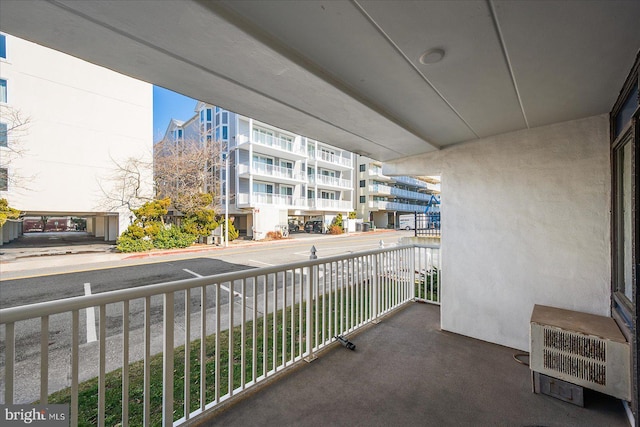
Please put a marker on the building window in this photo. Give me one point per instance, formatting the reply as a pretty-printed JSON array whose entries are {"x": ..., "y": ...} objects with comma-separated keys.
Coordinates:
[
  {"x": 261, "y": 187},
  {"x": 3, "y": 134},
  {"x": 363, "y": 167},
  {"x": 363, "y": 183},
  {"x": 4, "y": 179},
  {"x": 363, "y": 199},
  {"x": 3, "y": 90},
  {"x": 3, "y": 46},
  {"x": 625, "y": 191}
]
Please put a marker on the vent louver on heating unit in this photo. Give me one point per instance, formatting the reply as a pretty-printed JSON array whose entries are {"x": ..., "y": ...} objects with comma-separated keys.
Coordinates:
[{"x": 580, "y": 348}]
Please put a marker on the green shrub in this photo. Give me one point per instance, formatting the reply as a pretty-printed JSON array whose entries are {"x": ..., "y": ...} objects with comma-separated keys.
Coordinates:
[
  {"x": 337, "y": 222},
  {"x": 233, "y": 233},
  {"x": 173, "y": 237},
  {"x": 200, "y": 222},
  {"x": 131, "y": 244}
]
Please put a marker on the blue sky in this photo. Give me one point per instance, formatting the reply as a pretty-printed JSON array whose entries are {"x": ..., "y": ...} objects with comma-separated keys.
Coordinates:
[{"x": 169, "y": 105}]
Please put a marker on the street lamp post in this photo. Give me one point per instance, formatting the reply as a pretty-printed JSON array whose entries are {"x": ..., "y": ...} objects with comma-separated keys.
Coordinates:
[{"x": 225, "y": 157}]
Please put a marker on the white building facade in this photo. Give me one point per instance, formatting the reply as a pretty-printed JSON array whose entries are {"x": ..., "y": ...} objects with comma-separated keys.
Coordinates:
[
  {"x": 277, "y": 179},
  {"x": 382, "y": 198},
  {"x": 82, "y": 120}
]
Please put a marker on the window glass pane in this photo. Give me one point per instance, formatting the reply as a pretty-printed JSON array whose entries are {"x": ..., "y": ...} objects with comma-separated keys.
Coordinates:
[
  {"x": 225, "y": 132},
  {"x": 363, "y": 168},
  {"x": 209, "y": 114},
  {"x": 628, "y": 108},
  {"x": 4, "y": 179},
  {"x": 625, "y": 280},
  {"x": 217, "y": 119},
  {"x": 225, "y": 118},
  {"x": 3, "y": 134},
  {"x": 363, "y": 199},
  {"x": 3, "y": 90},
  {"x": 626, "y": 219},
  {"x": 3, "y": 46}
]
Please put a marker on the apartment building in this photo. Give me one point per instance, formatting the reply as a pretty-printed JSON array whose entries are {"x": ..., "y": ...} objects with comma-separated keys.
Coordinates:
[
  {"x": 381, "y": 198},
  {"x": 65, "y": 124},
  {"x": 276, "y": 178}
]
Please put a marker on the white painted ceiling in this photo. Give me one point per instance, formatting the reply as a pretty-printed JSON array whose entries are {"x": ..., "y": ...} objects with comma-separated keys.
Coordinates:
[{"x": 348, "y": 72}]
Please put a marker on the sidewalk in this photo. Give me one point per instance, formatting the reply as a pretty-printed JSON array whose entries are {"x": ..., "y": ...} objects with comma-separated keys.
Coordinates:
[{"x": 32, "y": 252}]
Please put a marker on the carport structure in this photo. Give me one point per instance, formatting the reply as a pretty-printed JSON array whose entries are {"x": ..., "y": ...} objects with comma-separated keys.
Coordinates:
[{"x": 528, "y": 111}]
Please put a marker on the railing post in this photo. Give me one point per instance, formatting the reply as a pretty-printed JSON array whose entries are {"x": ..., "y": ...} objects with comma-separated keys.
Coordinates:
[
  {"x": 312, "y": 278},
  {"x": 374, "y": 289},
  {"x": 167, "y": 360},
  {"x": 412, "y": 271}
]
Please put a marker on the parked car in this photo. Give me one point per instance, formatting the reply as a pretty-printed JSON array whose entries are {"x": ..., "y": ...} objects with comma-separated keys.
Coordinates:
[
  {"x": 314, "y": 227},
  {"x": 293, "y": 227}
]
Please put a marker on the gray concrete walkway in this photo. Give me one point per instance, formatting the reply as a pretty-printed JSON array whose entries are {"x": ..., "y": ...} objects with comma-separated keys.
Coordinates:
[{"x": 406, "y": 372}]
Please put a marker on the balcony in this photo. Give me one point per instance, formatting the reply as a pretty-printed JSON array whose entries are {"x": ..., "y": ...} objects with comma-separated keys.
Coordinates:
[
  {"x": 335, "y": 160},
  {"x": 273, "y": 145},
  {"x": 377, "y": 173},
  {"x": 246, "y": 200},
  {"x": 404, "y": 370},
  {"x": 395, "y": 206},
  {"x": 272, "y": 173},
  {"x": 413, "y": 182},
  {"x": 330, "y": 205},
  {"x": 241, "y": 329},
  {"x": 388, "y": 190},
  {"x": 330, "y": 181}
]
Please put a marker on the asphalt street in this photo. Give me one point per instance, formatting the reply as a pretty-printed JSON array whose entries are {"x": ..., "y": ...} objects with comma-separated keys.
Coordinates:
[{"x": 132, "y": 272}]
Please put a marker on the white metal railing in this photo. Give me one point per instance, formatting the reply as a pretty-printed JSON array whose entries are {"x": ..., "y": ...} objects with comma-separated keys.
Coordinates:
[
  {"x": 239, "y": 328},
  {"x": 330, "y": 180},
  {"x": 276, "y": 171},
  {"x": 328, "y": 157},
  {"x": 396, "y": 206},
  {"x": 344, "y": 205},
  {"x": 287, "y": 144}
]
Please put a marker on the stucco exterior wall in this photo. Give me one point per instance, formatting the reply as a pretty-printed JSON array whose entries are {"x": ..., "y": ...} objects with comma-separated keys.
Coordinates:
[
  {"x": 526, "y": 221},
  {"x": 82, "y": 118}
]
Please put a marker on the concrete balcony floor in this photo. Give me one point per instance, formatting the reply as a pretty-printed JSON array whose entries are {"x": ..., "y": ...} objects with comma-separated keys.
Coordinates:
[{"x": 406, "y": 371}]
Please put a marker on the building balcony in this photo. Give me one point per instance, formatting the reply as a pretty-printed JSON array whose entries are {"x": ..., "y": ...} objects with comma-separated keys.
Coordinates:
[
  {"x": 395, "y": 206},
  {"x": 377, "y": 174},
  {"x": 386, "y": 190},
  {"x": 342, "y": 161},
  {"x": 330, "y": 181},
  {"x": 330, "y": 205},
  {"x": 272, "y": 145},
  {"x": 408, "y": 180},
  {"x": 259, "y": 324},
  {"x": 271, "y": 173},
  {"x": 245, "y": 200}
]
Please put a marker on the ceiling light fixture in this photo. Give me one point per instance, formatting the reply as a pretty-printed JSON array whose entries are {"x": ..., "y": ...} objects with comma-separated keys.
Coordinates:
[{"x": 432, "y": 56}]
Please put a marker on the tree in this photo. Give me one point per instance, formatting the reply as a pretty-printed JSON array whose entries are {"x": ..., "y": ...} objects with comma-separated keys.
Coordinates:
[
  {"x": 186, "y": 169},
  {"x": 200, "y": 219},
  {"x": 7, "y": 212},
  {"x": 129, "y": 184},
  {"x": 13, "y": 147}
]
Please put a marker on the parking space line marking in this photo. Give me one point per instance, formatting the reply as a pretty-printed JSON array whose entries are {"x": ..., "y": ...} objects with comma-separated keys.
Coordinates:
[
  {"x": 260, "y": 262},
  {"x": 191, "y": 272},
  {"x": 91, "y": 317},
  {"x": 223, "y": 287}
]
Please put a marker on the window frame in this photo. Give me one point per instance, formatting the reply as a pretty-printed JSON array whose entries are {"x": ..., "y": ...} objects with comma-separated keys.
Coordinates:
[{"x": 4, "y": 134}]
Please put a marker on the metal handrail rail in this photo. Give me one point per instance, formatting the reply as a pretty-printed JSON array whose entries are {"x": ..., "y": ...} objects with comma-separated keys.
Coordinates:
[{"x": 19, "y": 313}]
